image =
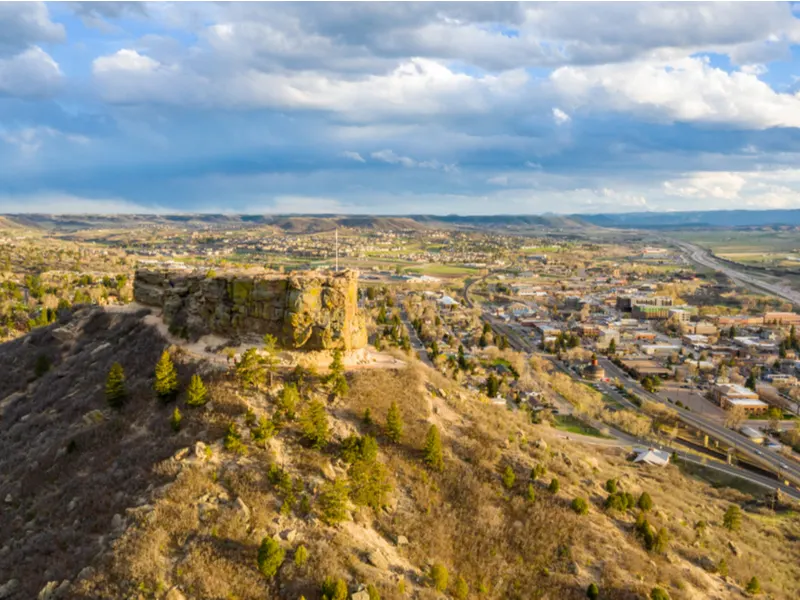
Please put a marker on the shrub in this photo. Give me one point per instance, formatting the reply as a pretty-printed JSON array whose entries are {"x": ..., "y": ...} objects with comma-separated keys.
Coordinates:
[
  {"x": 334, "y": 589},
  {"x": 263, "y": 431},
  {"x": 661, "y": 542},
  {"x": 314, "y": 424},
  {"x": 233, "y": 440},
  {"x": 333, "y": 501},
  {"x": 433, "y": 455},
  {"x": 753, "y": 586},
  {"x": 611, "y": 486},
  {"x": 722, "y": 568},
  {"x": 372, "y": 592},
  {"x": 462, "y": 589},
  {"x": 116, "y": 391},
  {"x": 439, "y": 576},
  {"x": 196, "y": 393},
  {"x": 645, "y": 502},
  {"x": 367, "y": 418},
  {"x": 300, "y": 556},
  {"x": 394, "y": 423},
  {"x": 593, "y": 592},
  {"x": 554, "y": 486},
  {"x": 617, "y": 501},
  {"x": 509, "y": 477},
  {"x": 166, "y": 383},
  {"x": 336, "y": 378},
  {"x": 530, "y": 494},
  {"x": 270, "y": 557},
  {"x": 658, "y": 594},
  {"x": 732, "y": 520},
  {"x": 175, "y": 420},
  {"x": 251, "y": 369},
  {"x": 369, "y": 483},
  {"x": 580, "y": 506},
  {"x": 538, "y": 471}
]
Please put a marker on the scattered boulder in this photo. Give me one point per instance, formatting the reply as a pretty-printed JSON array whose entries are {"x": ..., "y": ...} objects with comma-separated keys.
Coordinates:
[
  {"x": 289, "y": 534},
  {"x": 401, "y": 540},
  {"x": 377, "y": 560},
  {"x": 360, "y": 595},
  {"x": 86, "y": 573},
  {"x": 117, "y": 522},
  {"x": 181, "y": 454},
  {"x": 9, "y": 498},
  {"x": 93, "y": 417},
  {"x": 241, "y": 509},
  {"x": 53, "y": 590},
  {"x": 200, "y": 450},
  {"x": 175, "y": 594}
]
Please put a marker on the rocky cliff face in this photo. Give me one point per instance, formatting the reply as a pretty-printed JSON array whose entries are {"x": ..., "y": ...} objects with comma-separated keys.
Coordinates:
[{"x": 305, "y": 312}]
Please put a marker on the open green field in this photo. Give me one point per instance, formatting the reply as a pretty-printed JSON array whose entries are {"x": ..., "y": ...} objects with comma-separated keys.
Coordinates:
[
  {"x": 436, "y": 270},
  {"x": 743, "y": 242},
  {"x": 575, "y": 425}
]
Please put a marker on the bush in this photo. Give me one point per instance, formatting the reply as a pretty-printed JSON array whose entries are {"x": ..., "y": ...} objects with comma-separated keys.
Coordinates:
[
  {"x": 538, "y": 471},
  {"x": 166, "y": 383},
  {"x": 661, "y": 542},
  {"x": 333, "y": 501},
  {"x": 580, "y": 506},
  {"x": 300, "y": 556},
  {"x": 336, "y": 378},
  {"x": 288, "y": 401},
  {"x": 116, "y": 391},
  {"x": 334, "y": 589},
  {"x": 314, "y": 424},
  {"x": 394, "y": 423},
  {"x": 372, "y": 592},
  {"x": 462, "y": 589},
  {"x": 433, "y": 454},
  {"x": 554, "y": 486},
  {"x": 611, "y": 486},
  {"x": 263, "y": 431},
  {"x": 196, "y": 393},
  {"x": 369, "y": 483},
  {"x": 509, "y": 477},
  {"x": 233, "y": 440},
  {"x": 439, "y": 576},
  {"x": 617, "y": 501},
  {"x": 658, "y": 594},
  {"x": 645, "y": 502},
  {"x": 732, "y": 520},
  {"x": 530, "y": 494},
  {"x": 753, "y": 586},
  {"x": 175, "y": 420},
  {"x": 592, "y": 592},
  {"x": 251, "y": 369},
  {"x": 270, "y": 557}
]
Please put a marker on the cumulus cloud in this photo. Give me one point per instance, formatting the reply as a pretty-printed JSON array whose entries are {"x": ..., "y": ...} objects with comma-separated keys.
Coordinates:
[
  {"x": 23, "y": 24},
  {"x": 30, "y": 73},
  {"x": 353, "y": 156},
  {"x": 687, "y": 89}
]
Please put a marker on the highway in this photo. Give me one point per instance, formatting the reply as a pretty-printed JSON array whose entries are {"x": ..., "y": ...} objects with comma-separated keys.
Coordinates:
[
  {"x": 703, "y": 257},
  {"x": 757, "y": 454}
]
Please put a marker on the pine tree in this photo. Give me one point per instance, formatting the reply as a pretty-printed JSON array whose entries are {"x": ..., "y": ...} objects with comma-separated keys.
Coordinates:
[
  {"x": 394, "y": 423},
  {"x": 554, "y": 486},
  {"x": 116, "y": 391},
  {"x": 580, "y": 505},
  {"x": 658, "y": 593},
  {"x": 509, "y": 477},
  {"x": 270, "y": 557},
  {"x": 530, "y": 494},
  {"x": 334, "y": 589},
  {"x": 645, "y": 502},
  {"x": 250, "y": 369},
  {"x": 196, "y": 393},
  {"x": 373, "y": 593},
  {"x": 263, "y": 431},
  {"x": 300, "y": 556},
  {"x": 175, "y": 420},
  {"x": 233, "y": 440},
  {"x": 336, "y": 377},
  {"x": 732, "y": 520},
  {"x": 593, "y": 592},
  {"x": 288, "y": 400},
  {"x": 433, "y": 455},
  {"x": 314, "y": 424},
  {"x": 753, "y": 586},
  {"x": 367, "y": 418},
  {"x": 333, "y": 501},
  {"x": 166, "y": 384},
  {"x": 439, "y": 575},
  {"x": 492, "y": 385}
]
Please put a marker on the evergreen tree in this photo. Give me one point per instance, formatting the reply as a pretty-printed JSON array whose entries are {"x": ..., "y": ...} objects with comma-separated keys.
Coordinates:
[
  {"x": 439, "y": 576},
  {"x": 645, "y": 502},
  {"x": 196, "y": 393},
  {"x": 175, "y": 420},
  {"x": 509, "y": 477},
  {"x": 554, "y": 486},
  {"x": 42, "y": 365},
  {"x": 433, "y": 454},
  {"x": 492, "y": 385},
  {"x": 732, "y": 520},
  {"x": 369, "y": 480},
  {"x": 336, "y": 378},
  {"x": 593, "y": 592},
  {"x": 394, "y": 423},
  {"x": 530, "y": 494},
  {"x": 333, "y": 501},
  {"x": 288, "y": 401},
  {"x": 751, "y": 381},
  {"x": 373, "y": 593},
  {"x": 116, "y": 391},
  {"x": 263, "y": 431},
  {"x": 233, "y": 440},
  {"x": 462, "y": 589},
  {"x": 270, "y": 557},
  {"x": 367, "y": 418},
  {"x": 334, "y": 589},
  {"x": 166, "y": 384},
  {"x": 612, "y": 347},
  {"x": 753, "y": 586},
  {"x": 661, "y": 542},
  {"x": 658, "y": 594},
  {"x": 611, "y": 486},
  {"x": 250, "y": 369},
  {"x": 314, "y": 424},
  {"x": 300, "y": 556},
  {"x": 580, "y": 506}
]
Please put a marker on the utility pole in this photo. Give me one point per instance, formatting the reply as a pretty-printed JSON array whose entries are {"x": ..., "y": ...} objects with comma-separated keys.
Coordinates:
[{"x": 336, "y": 269}]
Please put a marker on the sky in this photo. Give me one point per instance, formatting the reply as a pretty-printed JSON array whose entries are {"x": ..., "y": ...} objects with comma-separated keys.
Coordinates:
[{"x": 398, "y": 108}]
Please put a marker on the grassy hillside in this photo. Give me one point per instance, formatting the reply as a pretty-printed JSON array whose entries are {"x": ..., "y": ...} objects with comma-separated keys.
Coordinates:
[{"x": 117, "y": 504}]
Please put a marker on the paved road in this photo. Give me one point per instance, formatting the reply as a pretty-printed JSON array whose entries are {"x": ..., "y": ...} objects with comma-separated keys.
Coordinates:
[
  {"x": 705, "y": 258},
  {"x": 757, "y": 454},
  {"x": 416, "y": 343}
]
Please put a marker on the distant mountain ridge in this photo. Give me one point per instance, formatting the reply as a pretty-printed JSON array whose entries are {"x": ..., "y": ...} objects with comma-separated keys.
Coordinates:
[{"x": 316, "y": 223}]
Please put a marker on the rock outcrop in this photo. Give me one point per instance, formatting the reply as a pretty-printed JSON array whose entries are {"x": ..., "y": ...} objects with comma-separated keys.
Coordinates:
[{"x": 304, "y": 312}]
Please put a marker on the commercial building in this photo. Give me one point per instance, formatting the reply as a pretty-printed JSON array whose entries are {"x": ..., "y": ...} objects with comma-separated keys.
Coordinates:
[{"x": 730, "y": 395}]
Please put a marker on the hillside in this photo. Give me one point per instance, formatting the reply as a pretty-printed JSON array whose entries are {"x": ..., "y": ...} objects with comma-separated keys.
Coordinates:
[{"x": 112, "y": 503}]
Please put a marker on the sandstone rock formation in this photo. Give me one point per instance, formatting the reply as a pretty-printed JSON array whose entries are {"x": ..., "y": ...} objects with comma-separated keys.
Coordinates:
[{"x": 304, "y": 312}]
